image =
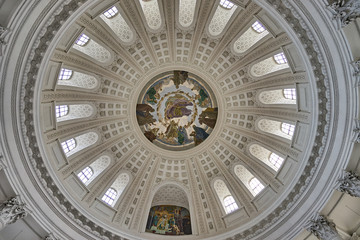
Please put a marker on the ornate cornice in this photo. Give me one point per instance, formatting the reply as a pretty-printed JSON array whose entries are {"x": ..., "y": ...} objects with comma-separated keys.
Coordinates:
[{"x": 3, "y": 33}]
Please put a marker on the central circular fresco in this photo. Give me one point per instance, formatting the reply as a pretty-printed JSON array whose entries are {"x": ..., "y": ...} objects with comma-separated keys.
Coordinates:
[{"x": 176, "y": 110}]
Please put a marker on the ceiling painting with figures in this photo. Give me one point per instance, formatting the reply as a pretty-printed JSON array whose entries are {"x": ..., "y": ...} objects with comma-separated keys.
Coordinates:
[{"x": 177, "y": 111}]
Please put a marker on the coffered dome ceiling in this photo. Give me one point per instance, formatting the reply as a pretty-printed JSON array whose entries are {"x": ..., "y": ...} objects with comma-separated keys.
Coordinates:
[{"x": 134, "y": 104}]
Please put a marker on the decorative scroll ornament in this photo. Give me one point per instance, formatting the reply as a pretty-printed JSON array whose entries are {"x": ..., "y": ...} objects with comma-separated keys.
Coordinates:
[
  {"x": 345, "y": 10},
  {"x": 356, "y": 66},
  {"x": 357, "y": 131},
  {"x": 11, "y": 211},
  {"x": 2, "y": 163},
  {"x": 349, "y": 183},
  {"x": 322, "y": 228},
  {"x": 3, "y": 33}
]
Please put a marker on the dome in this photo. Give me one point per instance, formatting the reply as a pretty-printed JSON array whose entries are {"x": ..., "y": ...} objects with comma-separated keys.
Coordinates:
[{"x": 150, "y": 118}]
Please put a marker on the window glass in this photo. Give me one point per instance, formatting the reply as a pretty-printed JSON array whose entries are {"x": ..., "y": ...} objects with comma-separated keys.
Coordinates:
[
  {"x": 280, "y": 58},
  {"x": 68, "y": 145},
  {"x": 65, "y": 74},
  {"x": 226, "y": 4},
  {"x": 61, "y": 110},
  {"x": 258, "y": 27},
  {"x": 276, "y": 160},
  {"x": 82, "y": 40},
  {"x": 85, "y": 174},
  {"x": 230, "y": 204},
  {"x": 288, "y": 129},
  {"x": 256, "y": 185},
  {"x": 111, "y": 12},
  {"x": 109, "y": 196},
  {"x": 290, "y": 93}
]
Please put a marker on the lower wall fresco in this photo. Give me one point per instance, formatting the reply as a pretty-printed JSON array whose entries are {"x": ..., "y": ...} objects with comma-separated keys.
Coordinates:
[{"x": 169, "y": 220}]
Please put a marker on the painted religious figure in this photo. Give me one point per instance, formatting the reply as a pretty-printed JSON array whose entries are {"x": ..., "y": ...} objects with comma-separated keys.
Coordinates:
[
  {"x": 169, "y": 220},
  {"x": 176, "y": 111}
]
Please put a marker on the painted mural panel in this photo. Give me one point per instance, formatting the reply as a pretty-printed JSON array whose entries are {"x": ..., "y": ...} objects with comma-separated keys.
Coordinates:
[
  {"x": 169, "y": 220},
  {"x": 177, "y": 112}
]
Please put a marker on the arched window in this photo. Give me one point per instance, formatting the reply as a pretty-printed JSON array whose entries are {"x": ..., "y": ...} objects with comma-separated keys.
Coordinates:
[
  {"x": 71, "y": 78},
  {"x": 281, "y": 129},
  {"x": 93, "y": 49},
  {"x": 85, "y": 174},
  {"x": 117, "y": 24},
  {"x": 221, "y": 17},
  {"x": 280, "y": 58},
  {"x": 73, "y": 111},
  {"x": 97, "y": 167},
  {"x": 61, "y": 110},
  {"x": 65, "y": 74},
  {"x": 288, "y": 129},
  {"x": 256, "y": 185},
  {"x": 68, "y": 145},
  {"x": 118, "y": 187},
  {"x": 269, "y": 65},
  {"x": 82, "y": 40},
  {"x": 226, "y": 4},
  {"x": 250, "y": 37},
  {"x": 109, "y": 196},
  {"x": 290, "y": 93},
  {"x": 230, "y": 204},
  {"x": 81, "y": 142},
  {"x": 186, "y": 12},
  {"x": 111, "y": 12},
  {"x": 278, "y": 96},
  {"x": 276, "y": 160},
  {"x": 152, "y": 13},
  {"x": 225, "y": 196},
  {"x": 245, "y": 177},
  {"x": 258, "y": 27},
  {"x": 269, "y": 158}
]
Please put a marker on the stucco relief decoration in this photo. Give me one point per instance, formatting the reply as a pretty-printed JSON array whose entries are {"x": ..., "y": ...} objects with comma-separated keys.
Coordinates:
[
  {"x": 3, "y": 32},
  {"x": 12, "y": 210},
  {"x": 176, "y": 112},
  {"x": 346, "y": 10},
  {"x": 323, "y": 228},
  {"x": 2, "y": 162},
  {"x": 356, "y": 66},
  {"x": 350, "y": 184}
]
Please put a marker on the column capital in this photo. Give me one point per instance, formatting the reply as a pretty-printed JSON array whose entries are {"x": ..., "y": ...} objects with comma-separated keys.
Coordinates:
[
  {"x": 322, "y": 228},
  {"x": 345, "y": 10},
  {"x": 11, "y": 210},
  {"x": 349, "y": 183}
]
